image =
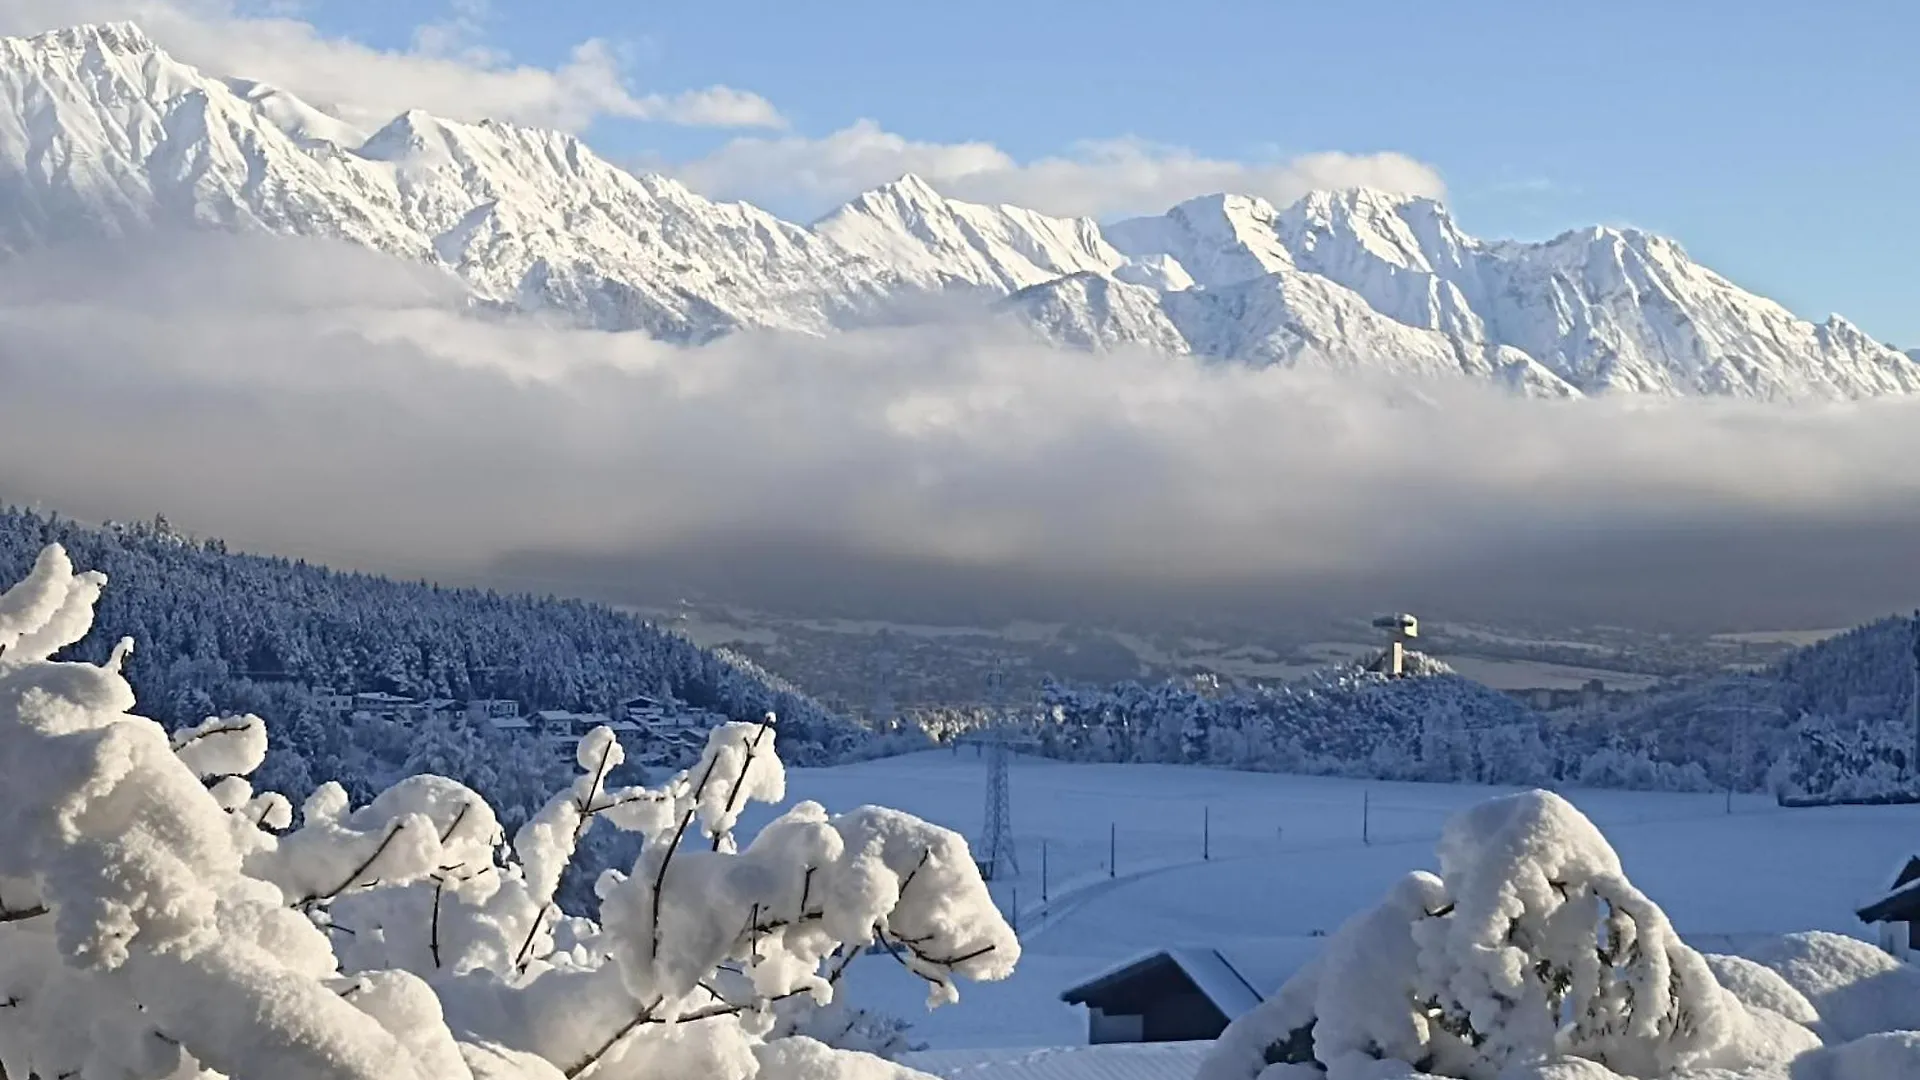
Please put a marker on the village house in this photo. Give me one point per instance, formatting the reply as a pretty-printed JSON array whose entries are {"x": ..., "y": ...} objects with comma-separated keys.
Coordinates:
[
  {"x": 1188, "y": 993},
  {"x": 656, "y": 732},
  {"x": 1897, "y": 912}
]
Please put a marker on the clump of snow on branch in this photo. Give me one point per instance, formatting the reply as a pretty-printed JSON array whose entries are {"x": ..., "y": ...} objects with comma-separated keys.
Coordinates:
[
  {"x": 1530, "y": 955},
  {"x": 158, "y": 918}
]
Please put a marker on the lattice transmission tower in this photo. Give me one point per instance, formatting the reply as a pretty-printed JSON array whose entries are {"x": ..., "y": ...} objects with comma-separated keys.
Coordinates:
[{"x": 997, "y": 856}]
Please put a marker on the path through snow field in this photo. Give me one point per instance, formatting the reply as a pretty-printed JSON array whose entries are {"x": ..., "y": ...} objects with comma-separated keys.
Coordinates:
[{"x": 1288, "y": 858}]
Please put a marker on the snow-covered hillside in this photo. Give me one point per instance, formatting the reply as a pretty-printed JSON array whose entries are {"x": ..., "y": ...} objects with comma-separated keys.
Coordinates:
[{"x": 102, "y": 134}]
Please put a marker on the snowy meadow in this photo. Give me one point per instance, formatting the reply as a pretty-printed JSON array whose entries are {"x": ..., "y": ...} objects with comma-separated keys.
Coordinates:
[{"x": 1221, "y": 858}]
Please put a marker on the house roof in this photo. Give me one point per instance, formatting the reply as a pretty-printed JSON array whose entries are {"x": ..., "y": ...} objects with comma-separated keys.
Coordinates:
[
  {"x": 1234, "y": 977},
  {"x": 1901, "y": 903}
]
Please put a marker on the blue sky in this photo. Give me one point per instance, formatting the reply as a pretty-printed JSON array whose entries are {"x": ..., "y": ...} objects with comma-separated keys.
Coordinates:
[{"x": 1779, "y": 143}]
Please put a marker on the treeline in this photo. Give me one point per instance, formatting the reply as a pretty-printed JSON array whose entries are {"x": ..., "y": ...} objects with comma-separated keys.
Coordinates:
[
  {"x": 1433, "y": 726},
  {"x": 220, "y": 632}
]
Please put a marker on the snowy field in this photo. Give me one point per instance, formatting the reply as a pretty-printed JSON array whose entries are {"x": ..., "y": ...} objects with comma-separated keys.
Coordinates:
[{"x": 1288, "y": 858}]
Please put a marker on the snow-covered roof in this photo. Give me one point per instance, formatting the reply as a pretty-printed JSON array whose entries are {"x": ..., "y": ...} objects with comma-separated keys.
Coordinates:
[
  {"x": 1109, "y": 1061},
  {"x": 1234, "y": 977},
  {"x": 1267, "y": 963},
  {"x": 1899, "y": 905},
  {"x": 1229, "y": 990}
]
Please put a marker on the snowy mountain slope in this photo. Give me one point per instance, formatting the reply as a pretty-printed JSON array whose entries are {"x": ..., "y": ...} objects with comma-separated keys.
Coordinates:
[
  {"x": 933, "y": 241},
  {"x": 1607, "y": 310},
  {"x": 1092, "y": 311},
  {"x": 102, "y": 134},
  {"x": 1287, "y": 318}
]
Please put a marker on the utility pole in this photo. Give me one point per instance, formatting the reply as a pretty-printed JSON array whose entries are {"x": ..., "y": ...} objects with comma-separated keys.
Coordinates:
[
  {"x": 1742, "y": 753},
  {"x": 1113, "y": 847},
  {"x": 1366, "y": 817},
  {"x": 1206, "y": 833},
  {"x": 1043, "y": 872}
]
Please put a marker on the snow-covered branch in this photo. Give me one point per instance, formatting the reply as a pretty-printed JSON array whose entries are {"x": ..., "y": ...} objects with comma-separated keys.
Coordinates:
[{"x": 160, "y": 920}]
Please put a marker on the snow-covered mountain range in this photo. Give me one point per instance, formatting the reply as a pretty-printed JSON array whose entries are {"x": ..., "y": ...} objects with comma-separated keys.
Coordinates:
[{"x": 103, "y": 134}]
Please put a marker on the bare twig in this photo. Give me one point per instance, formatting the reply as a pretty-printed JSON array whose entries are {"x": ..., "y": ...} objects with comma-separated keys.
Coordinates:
[
  {"x": 433, "y": 928},
  {"x": 680, "y": 831},
  {"x": 22, "y": 914},
  {"x": 457, "y": 819},
  {"x": 612, "y": 804},
  {"x": 740, "y": 778},
  {"x": 227, "y": 729},
  {"x": 915, "y": 872},
  {"x": 753, "y": 936},
  {"x": 520, "y": 958},
  {"x": 385, "y": 842},
  {"x": 585, "y": 805},
  {"x": 646, "y": 1017},
  {"x": 948, "y": 962}
]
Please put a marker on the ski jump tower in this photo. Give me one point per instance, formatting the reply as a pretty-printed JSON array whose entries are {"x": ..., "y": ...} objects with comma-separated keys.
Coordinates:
[{"x": 1404, "y": 628}]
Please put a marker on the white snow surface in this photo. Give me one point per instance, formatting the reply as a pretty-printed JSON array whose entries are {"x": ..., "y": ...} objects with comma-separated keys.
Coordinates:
[
  {"x": 102, "y": 134},
  {"x": 1288, "y": 862},
  {"x": 1113, "y": 1061}
]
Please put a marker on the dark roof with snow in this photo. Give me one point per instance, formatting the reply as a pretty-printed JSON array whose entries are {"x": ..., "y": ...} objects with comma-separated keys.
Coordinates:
[
  {"x": 1235, "y": 977},
  {"x": 1902, "y": 902}
]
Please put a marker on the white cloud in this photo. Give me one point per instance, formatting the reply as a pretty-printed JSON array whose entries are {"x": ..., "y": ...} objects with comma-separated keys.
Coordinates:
[
  {"x": 445, "y": 72},
  {"x": 1101, "y": 178},
  {"x": 330, "y": 403}
]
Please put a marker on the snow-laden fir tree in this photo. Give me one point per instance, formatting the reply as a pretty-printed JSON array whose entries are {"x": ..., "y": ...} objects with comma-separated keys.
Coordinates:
[
  {"x": 1529, "y": 956},
  {"x": 160, "y": 919}
]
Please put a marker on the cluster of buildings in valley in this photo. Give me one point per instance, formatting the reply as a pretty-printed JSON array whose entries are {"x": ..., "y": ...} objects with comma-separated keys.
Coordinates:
[
  {"x": 656, "y": 732},
  {"x": 1592, "y": 696}
]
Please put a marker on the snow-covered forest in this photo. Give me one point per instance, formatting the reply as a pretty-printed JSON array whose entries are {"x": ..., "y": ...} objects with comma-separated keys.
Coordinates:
[
  {"x": 1831, "y": 720},
  {"x": 160, "y": 918},
  {"x": 223, "y": 632},
  {"x": 1433, "y": 725}
]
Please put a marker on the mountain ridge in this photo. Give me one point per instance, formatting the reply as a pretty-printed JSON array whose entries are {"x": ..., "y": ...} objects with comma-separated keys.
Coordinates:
[{"x": 102, "y": 133}]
